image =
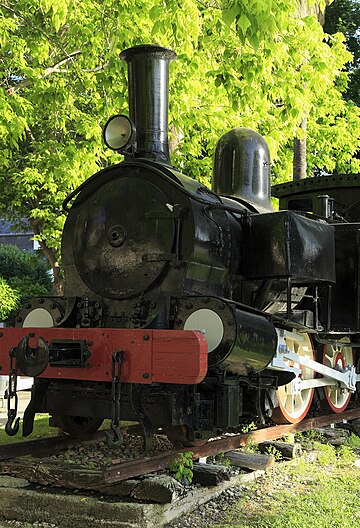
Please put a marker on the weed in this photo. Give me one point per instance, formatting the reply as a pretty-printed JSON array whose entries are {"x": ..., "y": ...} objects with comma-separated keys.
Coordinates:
[
  {"x": 301, "y": 467},
  {"x": 251, "y": 447},
  {"x": 182, "y": 466},
  {"x": 272, "y": 451},
  {"x": 346, "y": 455},
  {"x": 326, "y": 454},
  {"x": 307, "y": 439},
  {"x": 289, "y": 438},
  {"x": 108, "y": 461},
  {"x": 353, "y": 441},
  {"x": 222, "y": 460},
  {"x": 247, "y": 428}
]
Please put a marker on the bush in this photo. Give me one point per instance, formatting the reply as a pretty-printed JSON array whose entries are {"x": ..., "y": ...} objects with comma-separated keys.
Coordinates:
[
  {"x": 9, "y": 299},
  {"x": 24, "y": 275}
]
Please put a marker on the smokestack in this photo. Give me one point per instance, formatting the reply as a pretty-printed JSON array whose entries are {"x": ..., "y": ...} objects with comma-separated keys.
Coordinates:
[{"x": 148, "y": 81}]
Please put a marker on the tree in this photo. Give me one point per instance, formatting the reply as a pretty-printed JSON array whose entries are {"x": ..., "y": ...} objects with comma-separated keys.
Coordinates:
[
  {"x": 241, "y": 63},
  {"x": 344, "y": 16},
  {"x": 23, "y": 275},
  {"x": 340, "y": 16},
  {"x": 300, "y": 143},
  {"x": 8, "y": 299}
]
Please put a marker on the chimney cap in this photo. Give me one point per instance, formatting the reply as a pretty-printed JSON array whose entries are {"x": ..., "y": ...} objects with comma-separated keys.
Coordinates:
[{"x": 145, "y": 49}]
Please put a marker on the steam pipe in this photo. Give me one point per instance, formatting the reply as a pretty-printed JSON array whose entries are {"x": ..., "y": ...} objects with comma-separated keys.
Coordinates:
[{"x": 148, "y": 81}]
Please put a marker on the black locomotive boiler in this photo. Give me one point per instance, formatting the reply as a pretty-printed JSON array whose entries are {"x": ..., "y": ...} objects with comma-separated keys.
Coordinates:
[{"x": 190, "y": 309}]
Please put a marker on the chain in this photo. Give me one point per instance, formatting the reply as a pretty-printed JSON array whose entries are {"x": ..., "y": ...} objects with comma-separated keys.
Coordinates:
[
  {"x": 116, "y": 387},
  {"x": 116, "y": 441},
  {"x": 12, "y": 394}
]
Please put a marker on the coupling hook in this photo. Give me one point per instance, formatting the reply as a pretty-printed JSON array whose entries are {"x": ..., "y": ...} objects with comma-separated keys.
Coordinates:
[{"x": 12, "y": 428}]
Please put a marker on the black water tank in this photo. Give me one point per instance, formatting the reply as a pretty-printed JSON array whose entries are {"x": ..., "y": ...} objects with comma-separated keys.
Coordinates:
[{"x": 242, "y": 168}]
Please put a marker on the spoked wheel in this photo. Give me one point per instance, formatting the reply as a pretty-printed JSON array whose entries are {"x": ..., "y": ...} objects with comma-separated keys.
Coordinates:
[
  {"x": 293, "y": 402},
  {"x": 334, "y": 398},
  {"x": 77, "y": 426},
  {"x": 179, "y": 437}
]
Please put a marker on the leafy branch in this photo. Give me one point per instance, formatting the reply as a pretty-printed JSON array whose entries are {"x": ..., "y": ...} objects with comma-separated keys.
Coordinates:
[{"x": 53, "y": 69}]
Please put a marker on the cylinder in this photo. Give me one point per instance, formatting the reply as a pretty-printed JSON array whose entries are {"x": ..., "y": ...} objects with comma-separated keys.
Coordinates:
[
  {"x": 254, "y": 346},
  {"x": 148, "y": 81},
  {"x": 242, "y": 168}
]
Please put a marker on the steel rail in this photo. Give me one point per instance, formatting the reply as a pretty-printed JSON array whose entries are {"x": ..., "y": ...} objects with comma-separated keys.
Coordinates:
[
  {"x": 125, "y": 470},
  {"x": 104, "y": 478},
  {"x": 45, "y": 446}
]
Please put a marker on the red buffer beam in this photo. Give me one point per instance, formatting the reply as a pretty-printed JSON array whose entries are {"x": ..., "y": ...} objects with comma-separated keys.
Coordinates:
[{"x": 164, "y": 356}]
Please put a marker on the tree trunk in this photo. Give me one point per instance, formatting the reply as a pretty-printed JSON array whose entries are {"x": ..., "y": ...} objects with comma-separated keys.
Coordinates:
[
  {"x": 299, "y": 159},
  {"x": 50, "y": 254},
  {"x": 304, "y": 9}
]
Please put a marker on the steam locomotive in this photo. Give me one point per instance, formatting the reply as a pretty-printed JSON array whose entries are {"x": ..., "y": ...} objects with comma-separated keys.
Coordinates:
[{"x": 190, "y": 309}]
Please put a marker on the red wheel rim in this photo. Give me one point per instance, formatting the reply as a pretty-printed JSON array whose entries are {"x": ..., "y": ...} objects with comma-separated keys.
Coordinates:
[
  {"x": 294, "y": 407},
  {"x": 336, "y": 398}
]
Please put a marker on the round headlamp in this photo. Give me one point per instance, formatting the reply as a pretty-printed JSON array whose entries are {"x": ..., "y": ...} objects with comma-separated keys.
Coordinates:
[{"x": 119, "y": 132}]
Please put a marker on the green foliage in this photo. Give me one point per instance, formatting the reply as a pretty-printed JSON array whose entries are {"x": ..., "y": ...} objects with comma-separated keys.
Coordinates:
[
  {"x": 9, "y": 299},
  {"x": 344, "y": 16},
  {"x": 353, "y": 441},
  {"x": 258, "y": 64},
  {"x": 307, "y": 439},
  {"x": 289, "y": 438},
  {"x": 25, "y": 273},
  {"x": 247, "y": 428},
  {"x": 272, "y": 451},
  {"x": 301, "y": 494},
  {"x": 251, "y": 447},
  {"x": 222, "y": 460},
  {"x": 345, "y": 455},
  {"x": 326, "y": 453},
  {"x": 182, "y": 467},
  {"x": 41, "y": 430}
]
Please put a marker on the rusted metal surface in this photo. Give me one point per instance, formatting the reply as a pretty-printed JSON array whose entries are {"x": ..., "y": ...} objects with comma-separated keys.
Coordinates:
[
  {"x": 126, "y": 470},
  {"x": 309, "y": 423}
]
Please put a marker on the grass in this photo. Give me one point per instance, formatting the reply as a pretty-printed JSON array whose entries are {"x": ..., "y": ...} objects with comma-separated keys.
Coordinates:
[
  {"x": 319, "y": 490},
  {"x": 304, "y": 493},
  {"x": 41, "y": 430}
]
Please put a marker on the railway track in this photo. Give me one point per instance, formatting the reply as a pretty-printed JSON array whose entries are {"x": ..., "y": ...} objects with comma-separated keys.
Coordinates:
[
  {"x": 129, "y": 469},
  {"x": 39, "y": 468}
]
